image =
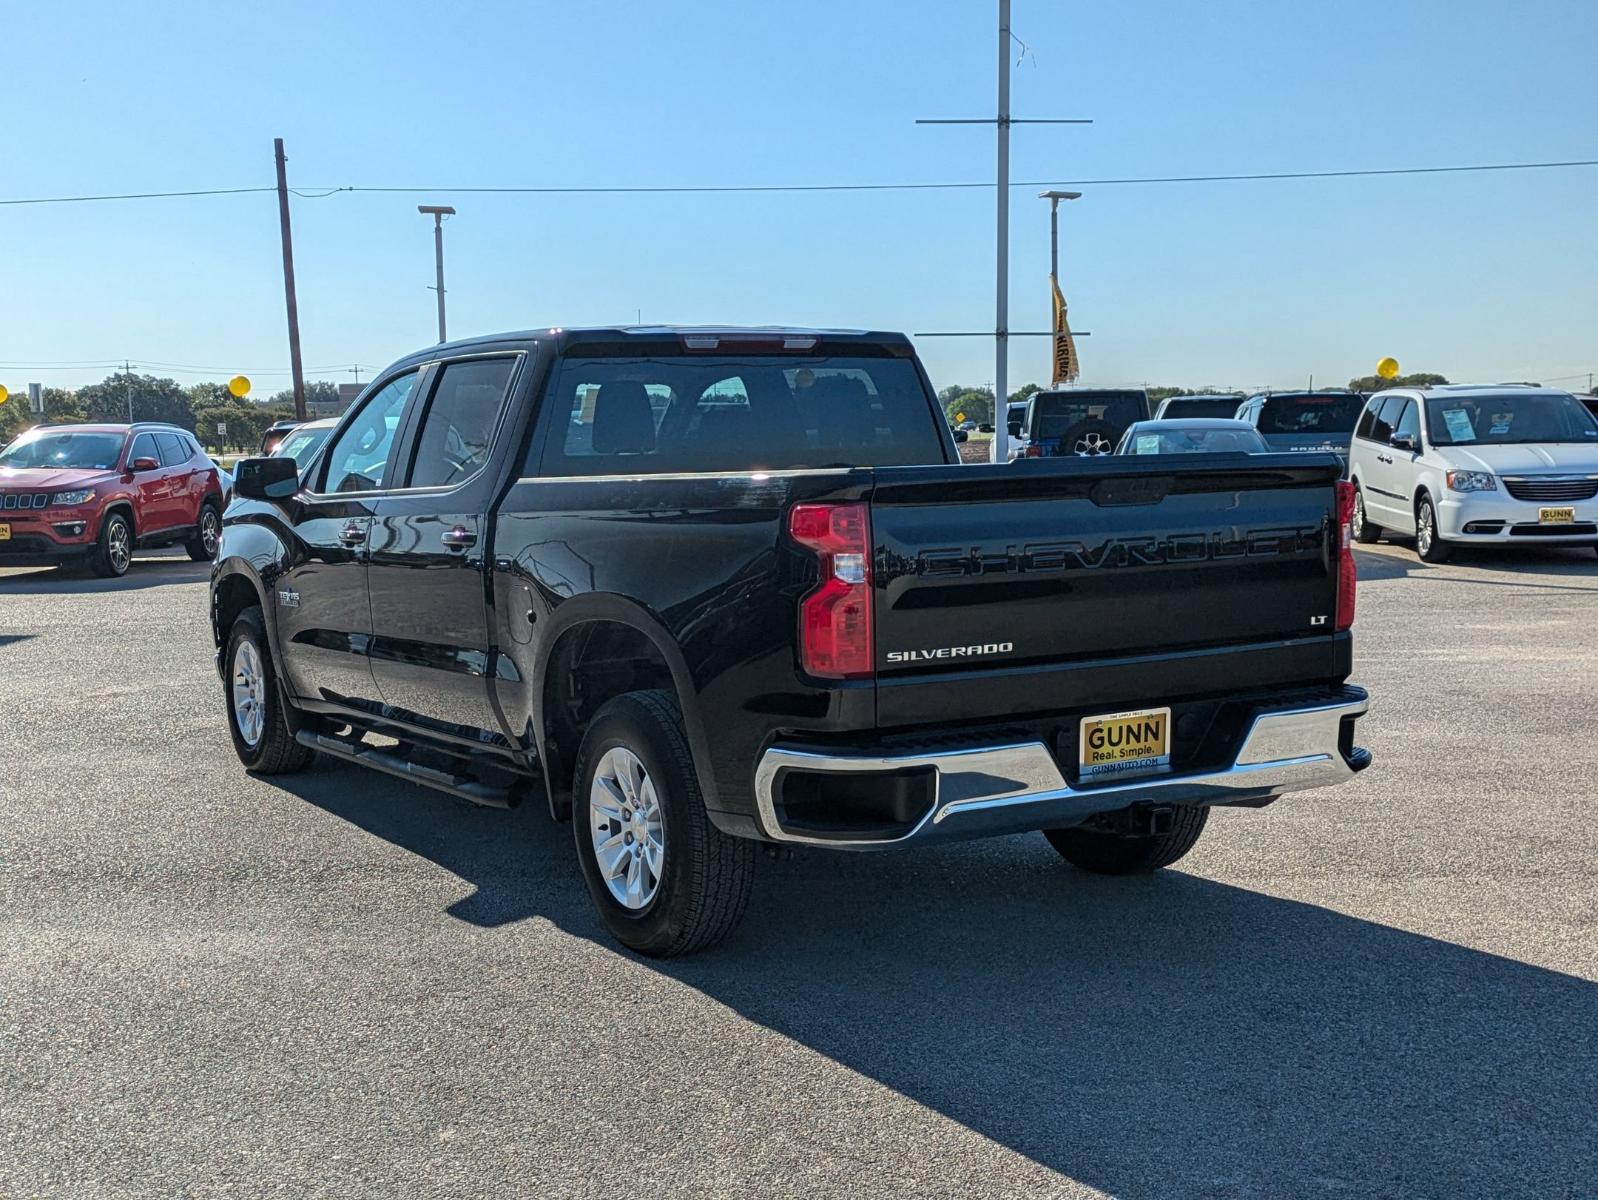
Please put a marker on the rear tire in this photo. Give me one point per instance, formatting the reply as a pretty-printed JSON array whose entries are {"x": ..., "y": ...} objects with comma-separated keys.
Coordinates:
[
  {"x": 1110, "y": 854},
  {"x": 207, "y": 534},
  {"x": 1362, "y": 528},
  {"x": 692, "y": 893},
  {"x": 1429, "y": 544},
  {"x": 113, "y": 552},
  {"x": 258, "y": 719}
]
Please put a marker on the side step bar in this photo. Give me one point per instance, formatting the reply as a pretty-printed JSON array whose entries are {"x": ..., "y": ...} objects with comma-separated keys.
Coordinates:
[{"x": 462, "y": 786}]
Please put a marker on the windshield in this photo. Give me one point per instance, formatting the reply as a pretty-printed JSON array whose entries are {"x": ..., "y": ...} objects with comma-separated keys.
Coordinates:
[
  {"x": 1194, "y": 441},
  {"x": 739, "y": 413},
  {"x": 1201, "y": 406},
  {"x": 1081, "y": 414},
  {"x": 1333, "y": 413},
  {"x": 301, "y": 444},
  {"x": 81, "y": 451},
  {"x": 1505, "y": 418}
]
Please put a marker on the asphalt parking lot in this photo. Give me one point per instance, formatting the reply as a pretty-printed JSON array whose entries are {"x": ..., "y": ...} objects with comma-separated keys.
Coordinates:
[{"x": 335, "y": 984}]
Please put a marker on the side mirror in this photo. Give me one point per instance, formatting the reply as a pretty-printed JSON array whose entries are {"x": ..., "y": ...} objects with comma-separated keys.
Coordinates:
[
  {"x": 1402, "y": 441},
  {"x": 144, "y": 464},
  {"x": 1015, "y": 428},
  {"x": 961, "y": 435},
  {"x": 266, "y": 478}
]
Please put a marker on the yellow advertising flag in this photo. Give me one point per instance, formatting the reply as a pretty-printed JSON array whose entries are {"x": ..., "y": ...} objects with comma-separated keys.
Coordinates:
[{"x": 1066, "y": 366}]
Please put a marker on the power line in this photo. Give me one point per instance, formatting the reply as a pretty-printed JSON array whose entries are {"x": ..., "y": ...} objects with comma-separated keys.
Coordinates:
[
  {"x": 884, "y": 187},
  {"x": 744, "y": 188},
  {"x": 138, "y": 196}
]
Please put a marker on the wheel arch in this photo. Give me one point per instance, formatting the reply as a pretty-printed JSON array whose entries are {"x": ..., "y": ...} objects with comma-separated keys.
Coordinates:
[
  {"x": 597, "y": 647},
  {"x": 124, "y": 506},
  {"x": 234, "y": 589}
]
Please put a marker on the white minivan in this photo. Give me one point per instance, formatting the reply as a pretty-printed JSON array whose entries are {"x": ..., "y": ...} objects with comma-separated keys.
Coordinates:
[{"x": 1485, "y": 465}]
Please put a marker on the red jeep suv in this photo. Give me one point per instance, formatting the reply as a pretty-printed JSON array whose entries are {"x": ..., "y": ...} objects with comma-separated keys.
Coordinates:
[{"x": 91, "y": 493}]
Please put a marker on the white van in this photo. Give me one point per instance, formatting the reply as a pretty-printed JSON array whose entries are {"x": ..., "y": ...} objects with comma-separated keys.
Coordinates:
[{"x": 1486, "y": 465}]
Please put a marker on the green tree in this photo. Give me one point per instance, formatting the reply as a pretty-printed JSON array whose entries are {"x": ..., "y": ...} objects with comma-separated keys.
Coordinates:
[
  {"x": 975, "y": 403},
  {"x": 61, "y": 407},
  {"x": 149, "y": 398},
  {"x": 317, "y": 391},
  {"x": 1375, "y": 383},
  {"x": 1023, "y": 394},
  {"x": 207, "y": 395}
]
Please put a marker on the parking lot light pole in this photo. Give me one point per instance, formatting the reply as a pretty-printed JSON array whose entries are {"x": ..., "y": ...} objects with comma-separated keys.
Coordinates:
[
  {"x": 438, "y": 213},
  {"x": 1054, "y": 199}
]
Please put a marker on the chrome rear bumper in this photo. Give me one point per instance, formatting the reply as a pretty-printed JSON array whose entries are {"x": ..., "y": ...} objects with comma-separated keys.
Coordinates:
[{"x": 1019, "y": 786}]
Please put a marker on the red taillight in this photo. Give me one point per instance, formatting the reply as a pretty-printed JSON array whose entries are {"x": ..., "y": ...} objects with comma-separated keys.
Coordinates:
[
  {"x": 835, "y": 618},
  {"x": 1345, "y": 554},
  {"x": 1032, "y": 452}
]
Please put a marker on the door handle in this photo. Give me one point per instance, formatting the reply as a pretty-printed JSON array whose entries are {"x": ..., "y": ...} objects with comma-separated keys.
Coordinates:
[
  {"x": 458, "y": 538},
  {"x": 352, "y": 534}
]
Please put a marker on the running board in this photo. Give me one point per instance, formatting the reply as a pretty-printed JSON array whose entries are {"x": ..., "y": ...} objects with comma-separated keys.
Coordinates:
[{"x": 462, "y": 786}]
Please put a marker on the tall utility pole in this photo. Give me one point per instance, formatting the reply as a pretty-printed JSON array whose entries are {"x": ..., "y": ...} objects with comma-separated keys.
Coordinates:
[
  {"x": 127, "y": 387},
  {"x": 438, "y": 213},
  {"x": 1002, "y": 333},
  {"x": 1001, "y": 308},
  {"x": 288, "y": 280}
]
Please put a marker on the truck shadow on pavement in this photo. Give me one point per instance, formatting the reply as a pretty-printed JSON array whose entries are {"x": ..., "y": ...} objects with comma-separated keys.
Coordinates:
[{"x": 1152, "y": 1036}]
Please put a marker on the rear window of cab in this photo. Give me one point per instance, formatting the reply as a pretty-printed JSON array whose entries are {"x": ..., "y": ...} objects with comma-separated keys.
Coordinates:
[{"x": 735, "y": 413}]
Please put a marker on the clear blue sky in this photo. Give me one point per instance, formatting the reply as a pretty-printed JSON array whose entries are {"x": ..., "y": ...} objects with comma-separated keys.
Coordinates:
[{"x": 1476, "y": 276}]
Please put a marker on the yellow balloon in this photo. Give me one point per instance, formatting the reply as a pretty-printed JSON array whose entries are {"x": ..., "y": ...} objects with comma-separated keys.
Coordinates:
[
  {"x": 3, "y": 395},
  {"x": 1387, "y": 368},
  {"x": 239, "y": 386}
]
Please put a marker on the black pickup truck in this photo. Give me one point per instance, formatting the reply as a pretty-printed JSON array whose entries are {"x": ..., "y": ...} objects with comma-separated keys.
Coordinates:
[{"x": 704, "y": 589}]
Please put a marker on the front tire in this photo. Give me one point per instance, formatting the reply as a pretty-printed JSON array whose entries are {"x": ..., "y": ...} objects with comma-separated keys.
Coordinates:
[
  {"x": 263, "y": 736},
  {"x": 1429, "y": 544},
  {"x": 113, "y": 553},
  {"x": 1111, "y": 854},
  {"x": 1361, "y": 528},
  {"x": 207, "y": 534},
  {"x": 664, "y": 879}
]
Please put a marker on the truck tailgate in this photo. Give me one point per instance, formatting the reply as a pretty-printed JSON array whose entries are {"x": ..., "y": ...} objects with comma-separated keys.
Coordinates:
[{"x": 1099, "y": 562}]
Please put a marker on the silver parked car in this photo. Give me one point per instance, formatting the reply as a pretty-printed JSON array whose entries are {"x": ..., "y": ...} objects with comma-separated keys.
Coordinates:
[{"x": 1192, "y": 435}]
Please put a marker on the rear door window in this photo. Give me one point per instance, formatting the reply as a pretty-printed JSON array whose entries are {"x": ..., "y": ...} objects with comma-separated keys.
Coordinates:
[
  {"x": 458, "y": 427},
  {"x": 1386, "y": 413},
  {"x": 173, "y": 452},
  {"x": 728, "y": 413}
]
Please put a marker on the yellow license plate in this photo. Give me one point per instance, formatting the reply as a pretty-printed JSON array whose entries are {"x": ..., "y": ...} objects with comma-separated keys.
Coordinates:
[
  {"x": 1556, "y": 516},
  {"x": 1122, "y": 743},
  {"x": 5, "y": 532}
]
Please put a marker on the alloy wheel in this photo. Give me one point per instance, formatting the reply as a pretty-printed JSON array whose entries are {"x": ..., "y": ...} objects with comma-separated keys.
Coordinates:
[
  {"x": 629, "y": 838},
  {"x": 119, "y": 547},
  {"x": 1425, "y": 530},
  {"x": 1091, "y": 444},
  {"x": 210, "y": 534},
  {"x": 249, "y": 692}
]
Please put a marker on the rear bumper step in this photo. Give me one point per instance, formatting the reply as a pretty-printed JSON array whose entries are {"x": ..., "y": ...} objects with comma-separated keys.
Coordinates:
[
  {"x": 461, "y": 786},
  {"x": 1018, "y": 786}
]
